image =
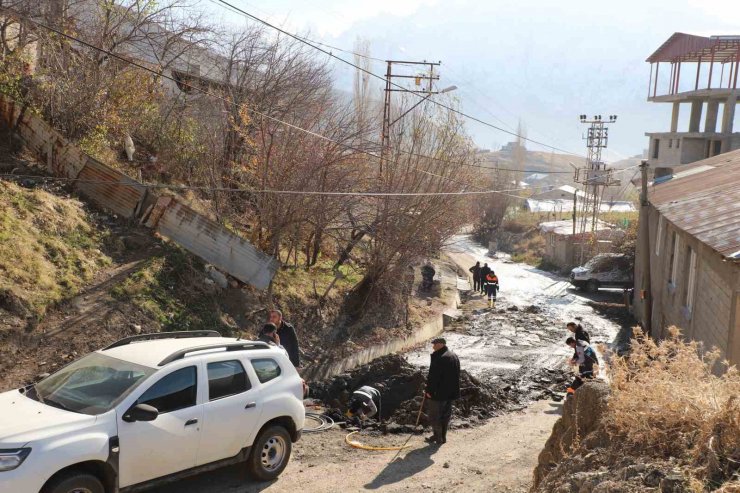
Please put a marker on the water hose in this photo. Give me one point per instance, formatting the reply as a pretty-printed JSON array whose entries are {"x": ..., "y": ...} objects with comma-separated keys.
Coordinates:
[{"x": 362, "y": 446}]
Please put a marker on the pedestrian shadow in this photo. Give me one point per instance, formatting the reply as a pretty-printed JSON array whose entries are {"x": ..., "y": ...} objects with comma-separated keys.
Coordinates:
[{"x": 404, "y": 467}]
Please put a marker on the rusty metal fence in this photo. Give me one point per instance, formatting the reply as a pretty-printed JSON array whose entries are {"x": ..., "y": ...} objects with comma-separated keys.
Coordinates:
[{"x": 112, "y": 190}]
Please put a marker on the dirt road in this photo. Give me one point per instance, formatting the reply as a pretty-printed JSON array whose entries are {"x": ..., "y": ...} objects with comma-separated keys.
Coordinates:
[{"x": 496, "y": 457}]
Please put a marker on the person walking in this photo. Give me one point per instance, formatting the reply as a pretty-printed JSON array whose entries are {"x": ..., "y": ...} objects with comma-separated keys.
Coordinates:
[
  {"x": 491, "y": 287},
  {"x": 585, "y": 357},
  {"x": 364, "y": 402},
  {"x": 475, "y": 270},
  {"x": 484, "y": 271},
  {"x": 287, "y": 335},
  {"x": 579, "y": 333},
  {"x": 442, "y": 387}
]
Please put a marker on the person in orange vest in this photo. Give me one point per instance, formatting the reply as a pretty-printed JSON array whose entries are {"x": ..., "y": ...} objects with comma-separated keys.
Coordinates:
[{"x": 491, "y": 284}]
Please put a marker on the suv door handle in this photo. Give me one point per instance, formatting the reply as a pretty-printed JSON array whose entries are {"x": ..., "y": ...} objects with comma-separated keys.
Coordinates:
[
  {"x": 191, "y": 422},
  {"x": 250, "y": 405}
]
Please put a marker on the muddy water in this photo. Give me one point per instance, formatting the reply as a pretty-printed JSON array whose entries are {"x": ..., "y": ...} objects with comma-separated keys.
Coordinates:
[{"x": 494, "y": 343}]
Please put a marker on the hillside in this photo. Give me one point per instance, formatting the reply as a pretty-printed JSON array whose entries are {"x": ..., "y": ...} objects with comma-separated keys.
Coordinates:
[{"x": 563, "y": 165}]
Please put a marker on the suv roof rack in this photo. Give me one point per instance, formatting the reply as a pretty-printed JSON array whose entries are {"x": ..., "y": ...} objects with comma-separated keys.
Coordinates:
[
  {"x": 228, "y": 346},
  {"x": 185, "y": 334}
]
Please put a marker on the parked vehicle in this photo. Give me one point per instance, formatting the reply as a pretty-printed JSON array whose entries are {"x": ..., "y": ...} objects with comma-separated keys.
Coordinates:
[
  {"x": 149, "y": 409},
  {"x": 606, "y": 270}
]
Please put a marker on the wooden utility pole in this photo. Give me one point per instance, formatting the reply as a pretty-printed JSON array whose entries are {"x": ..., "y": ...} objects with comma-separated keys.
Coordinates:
[
  {"x": 390, "y": 88},
  {"x": 644, "y": 236}
]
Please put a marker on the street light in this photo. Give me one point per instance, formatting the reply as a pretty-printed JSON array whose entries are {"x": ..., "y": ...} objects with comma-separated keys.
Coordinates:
[{"x": 446, "y": 89}]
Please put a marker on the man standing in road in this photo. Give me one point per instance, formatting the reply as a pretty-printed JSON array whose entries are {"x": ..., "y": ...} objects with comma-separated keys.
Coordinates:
[
  {"x": 484, "y": 271},
  {"x": 287, "y": 336},
  {"x": 443, "y": 386},
  {"x": 475, "y": 270}
]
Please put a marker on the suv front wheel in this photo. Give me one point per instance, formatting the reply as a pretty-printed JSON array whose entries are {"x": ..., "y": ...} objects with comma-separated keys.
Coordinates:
[
  {"x": 75, "y": 482},
  {"x": 270, "y": 454}
]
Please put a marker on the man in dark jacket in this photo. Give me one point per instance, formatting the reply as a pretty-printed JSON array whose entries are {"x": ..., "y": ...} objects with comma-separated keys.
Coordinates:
[
  {"x": 288, "y": 337},
  {"x": 475, "y": 270},
  {"x": 443, "y": 386},
  {"x": 484, "y": 271}
]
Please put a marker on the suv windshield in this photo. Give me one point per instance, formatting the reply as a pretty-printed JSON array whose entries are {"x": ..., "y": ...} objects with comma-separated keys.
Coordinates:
[{"x": 91, "y": 385}]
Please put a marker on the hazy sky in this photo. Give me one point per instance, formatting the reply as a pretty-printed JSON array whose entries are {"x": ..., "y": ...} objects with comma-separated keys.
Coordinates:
[{"x": 543, "y": 61}]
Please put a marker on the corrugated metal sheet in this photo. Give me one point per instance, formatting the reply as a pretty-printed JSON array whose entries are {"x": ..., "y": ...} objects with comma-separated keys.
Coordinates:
[
  {"x": 109, "y": 188},
  {"x": 217, "y": 245},
  {"x": 706, "y": 204},
  {"x": 687, "y": 47}
]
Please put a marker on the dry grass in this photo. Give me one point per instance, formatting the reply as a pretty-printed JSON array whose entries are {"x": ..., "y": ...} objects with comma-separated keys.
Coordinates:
[
  {"x": 48, "y": 249},
  {"x": 673, "y": 399}
]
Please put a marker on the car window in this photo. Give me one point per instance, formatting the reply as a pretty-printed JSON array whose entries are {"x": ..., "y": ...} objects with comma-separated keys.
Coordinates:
[
  {"x": 266, "y": 369},
  {"x": 226, "y": 378},
  {"x": 177, "y": 390},
  {"x": 93, "y": 384}
]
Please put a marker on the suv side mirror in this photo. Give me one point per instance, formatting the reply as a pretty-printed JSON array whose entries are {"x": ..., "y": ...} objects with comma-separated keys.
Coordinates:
[{"x": 141, "y": 412}]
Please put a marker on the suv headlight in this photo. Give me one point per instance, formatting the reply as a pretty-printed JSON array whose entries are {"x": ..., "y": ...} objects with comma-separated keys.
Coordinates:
[{"x": 12, "y": 458}]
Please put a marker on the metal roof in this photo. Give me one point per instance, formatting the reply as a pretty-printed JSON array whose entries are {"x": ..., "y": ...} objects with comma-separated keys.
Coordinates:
[
  {"x": 705, "y": 204},
  {"x": 691, "y": 48}
]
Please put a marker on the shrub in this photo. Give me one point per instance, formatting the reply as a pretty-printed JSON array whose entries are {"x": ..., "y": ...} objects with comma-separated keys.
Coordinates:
[{"x": 673, "y": 399}]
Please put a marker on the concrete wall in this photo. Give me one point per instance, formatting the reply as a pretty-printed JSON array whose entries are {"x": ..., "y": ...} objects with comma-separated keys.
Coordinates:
[
  {"x": 329, "y": 368},
  {"x": 692, "y": 150},
  {"x": 713, "y": 317}
]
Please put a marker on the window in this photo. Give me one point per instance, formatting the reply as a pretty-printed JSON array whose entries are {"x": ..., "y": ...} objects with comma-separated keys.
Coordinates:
[
  {"x": 656, "y": 148},
  {"x": 176, "y": 391},
  {"x": 659, "y": 236},
  {"x": 266, "y": 369},
  {"x": 690, "y": 273},
  {"x": 678, "y": 143},
  {"x": 674, "y": 260},
  {"x": 670, "y": 143},
  {"x": 226, "y": 378}
]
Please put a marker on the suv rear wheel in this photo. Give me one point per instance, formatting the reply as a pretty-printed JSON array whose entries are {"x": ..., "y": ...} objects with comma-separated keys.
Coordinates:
[
  {"x": 75, "y": 482},
  {"x": 270, "y": 453}
]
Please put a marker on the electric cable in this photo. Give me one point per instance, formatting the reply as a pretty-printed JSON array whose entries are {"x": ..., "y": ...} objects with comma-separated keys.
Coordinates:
[{"x": 373, "y": 74}]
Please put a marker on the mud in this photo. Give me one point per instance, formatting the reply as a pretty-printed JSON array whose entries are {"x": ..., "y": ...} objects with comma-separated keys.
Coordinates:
[{"x": 401, "y": 385}]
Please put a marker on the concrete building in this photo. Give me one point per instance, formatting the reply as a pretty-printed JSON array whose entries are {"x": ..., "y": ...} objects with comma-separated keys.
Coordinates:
[
  {"x": 563, "y": 248},
  {"x": 700, "y": 75},
  {"x": 693, "y": 258}
]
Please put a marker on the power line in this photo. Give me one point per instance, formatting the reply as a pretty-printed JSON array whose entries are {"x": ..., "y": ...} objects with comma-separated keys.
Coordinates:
[
  {"x": 442, "y": 105},
  {"x": 277, "y": 192},
  {"x": 263, "y": 191},
  {"x": 228, "y": 101}
]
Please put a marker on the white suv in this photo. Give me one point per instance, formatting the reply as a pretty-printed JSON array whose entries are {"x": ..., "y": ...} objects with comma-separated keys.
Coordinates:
[{"x": 151, "y": 409}]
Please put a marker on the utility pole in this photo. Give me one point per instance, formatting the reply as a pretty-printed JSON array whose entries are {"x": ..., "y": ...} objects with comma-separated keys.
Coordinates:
[
  {"x": 595, "y": 177},
  {"x": 423, "y": 80},
  {"x": 646, "y": 294}
]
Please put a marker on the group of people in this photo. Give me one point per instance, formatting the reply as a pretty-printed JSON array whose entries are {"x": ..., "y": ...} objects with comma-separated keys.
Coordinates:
[
  {"x": 278, "y": 332},
  {"x": 584, "y": 356},
  {"x": 485, "y": 281}
]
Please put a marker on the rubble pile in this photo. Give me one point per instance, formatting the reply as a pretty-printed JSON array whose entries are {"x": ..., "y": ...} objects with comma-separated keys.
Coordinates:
[{"x": 401, "y": 385}]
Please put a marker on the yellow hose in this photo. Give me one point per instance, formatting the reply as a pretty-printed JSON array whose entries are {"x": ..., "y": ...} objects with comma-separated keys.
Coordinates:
[{"x": 359, "y": 445}]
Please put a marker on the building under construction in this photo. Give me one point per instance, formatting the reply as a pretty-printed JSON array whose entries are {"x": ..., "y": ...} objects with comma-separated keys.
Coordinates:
[{"x": 700, "y": 75}]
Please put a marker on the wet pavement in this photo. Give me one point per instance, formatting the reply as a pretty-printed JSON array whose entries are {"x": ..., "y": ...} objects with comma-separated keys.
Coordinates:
[{"x": 525, "y": 331}]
